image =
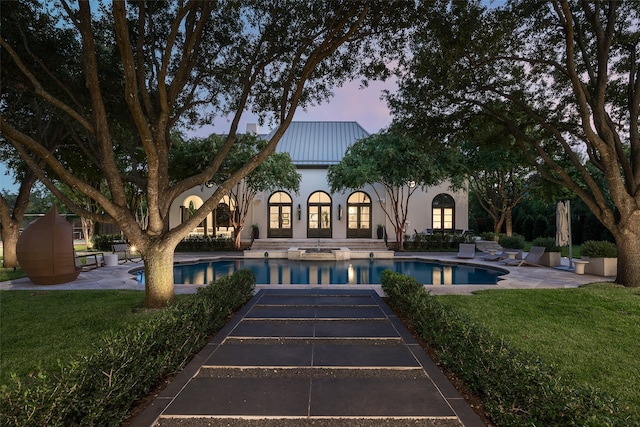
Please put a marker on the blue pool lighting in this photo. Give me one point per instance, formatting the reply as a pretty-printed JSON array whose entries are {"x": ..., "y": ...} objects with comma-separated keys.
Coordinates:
[{"x": 353, "y": 272}]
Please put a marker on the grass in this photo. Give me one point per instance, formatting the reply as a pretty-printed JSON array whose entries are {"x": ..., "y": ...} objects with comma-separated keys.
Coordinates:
[
  {"x": 590, "y": 334},
  {"x": 11, "y": 274},
  {"x": 40, "y": 328}
]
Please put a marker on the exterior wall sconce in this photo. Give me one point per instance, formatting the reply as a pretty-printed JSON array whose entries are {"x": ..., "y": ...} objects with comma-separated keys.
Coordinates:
[
  {"x": 339, "y": 212},
  {"x": 299, "y": 212}
]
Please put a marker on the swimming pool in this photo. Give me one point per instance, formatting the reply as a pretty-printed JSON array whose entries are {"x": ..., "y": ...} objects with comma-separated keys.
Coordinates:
[{"x": 353, "y": 272}]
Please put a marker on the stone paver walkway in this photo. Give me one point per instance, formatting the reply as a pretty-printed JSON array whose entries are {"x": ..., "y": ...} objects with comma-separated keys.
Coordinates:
[{"x": 311, "y": 357}]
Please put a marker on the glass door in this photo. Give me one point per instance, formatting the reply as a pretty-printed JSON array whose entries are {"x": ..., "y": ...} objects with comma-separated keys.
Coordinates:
[
  {"x": 319, "y": 216},
  {"x": 359, "y": 216},
  {"x": 280, "y": 218}
]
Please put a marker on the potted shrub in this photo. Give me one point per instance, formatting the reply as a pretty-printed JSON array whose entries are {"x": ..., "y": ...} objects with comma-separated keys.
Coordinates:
[
  {"x": 255, "y": 232},
  {"x": 602, "y": 256},
  {"x": 380, "y": 231},
  {"x": 551, "y": 255}
]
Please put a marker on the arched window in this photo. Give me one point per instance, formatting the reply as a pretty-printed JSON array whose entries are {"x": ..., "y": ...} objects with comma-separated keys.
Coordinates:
[
  {"x": 443, "y": 210},
  {"x": 359, "y": 215},
  {"x": 280, "y": 215},
  {"x": 319, "y": 215},
  {"x": 189, "y": 206}
]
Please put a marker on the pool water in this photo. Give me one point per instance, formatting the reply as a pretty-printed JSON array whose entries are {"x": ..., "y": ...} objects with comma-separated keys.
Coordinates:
[{"x": 353, "y": 272}]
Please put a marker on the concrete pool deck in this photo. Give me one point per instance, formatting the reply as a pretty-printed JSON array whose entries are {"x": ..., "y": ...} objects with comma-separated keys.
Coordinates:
[{"x": 524, "y": 277}]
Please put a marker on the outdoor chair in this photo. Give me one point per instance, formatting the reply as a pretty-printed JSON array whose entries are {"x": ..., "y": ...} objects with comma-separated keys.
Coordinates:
[
  {"x": 532, "y": 258},
  {"x": 467, "y": 250},
  {"x": 124, "y": 249},
  {"x": 493, "y": 257},
  {"x": 91, "y": 261}
]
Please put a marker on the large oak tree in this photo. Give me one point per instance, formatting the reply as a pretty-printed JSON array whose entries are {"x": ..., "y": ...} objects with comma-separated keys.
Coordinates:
[
  {"x": 27, "y": 110},
  {"x": 567, "y": 75},
  {"x": 184, "y": 63}
]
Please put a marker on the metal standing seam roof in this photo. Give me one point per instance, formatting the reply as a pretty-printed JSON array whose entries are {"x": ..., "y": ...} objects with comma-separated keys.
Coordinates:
[{"x": 318, "y": 143}]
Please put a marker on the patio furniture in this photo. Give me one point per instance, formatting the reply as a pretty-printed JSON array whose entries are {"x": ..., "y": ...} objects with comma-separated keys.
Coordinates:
[
  {"x": 45, "y": 250},
  {"x": 91, "y": 261},
  {"x": 579, "y": 264},
  {"x": 494, "y": 255},
  {"x": 467, "y": 250},
  {"x": 110, "y": 260},
  {"x": 124, "y": 249},
  {"x": 532, "y": 258}
]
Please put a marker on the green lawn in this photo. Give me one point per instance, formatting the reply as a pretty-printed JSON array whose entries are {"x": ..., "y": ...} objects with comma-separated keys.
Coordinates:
[
  {"x": 11, "y": 274},
  {"x": 38, "y": 328},
  {"x": 590, "y": 333}
]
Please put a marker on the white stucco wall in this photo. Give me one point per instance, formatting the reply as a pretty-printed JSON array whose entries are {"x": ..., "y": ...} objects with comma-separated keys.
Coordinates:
[{"x": 420, "y": 213}]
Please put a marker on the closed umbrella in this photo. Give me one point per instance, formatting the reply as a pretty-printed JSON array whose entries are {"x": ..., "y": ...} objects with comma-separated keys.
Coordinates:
[{"x": 562, "y": 225}]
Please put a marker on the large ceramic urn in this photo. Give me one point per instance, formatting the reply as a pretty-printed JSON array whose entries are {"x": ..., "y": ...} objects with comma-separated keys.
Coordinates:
[{"x": 45, "y": 250}]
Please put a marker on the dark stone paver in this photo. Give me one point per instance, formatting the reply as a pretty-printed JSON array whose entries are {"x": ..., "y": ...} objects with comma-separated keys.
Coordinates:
[
  {"x": 274, "y": 328},
  {"x": 243, "y": 396},
  {"x": 377, "y": 397}
]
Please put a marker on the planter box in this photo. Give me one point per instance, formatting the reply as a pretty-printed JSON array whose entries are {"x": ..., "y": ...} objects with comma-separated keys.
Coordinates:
[
  {"x": 601, "y": 266},
  {"x": 550, "y": 259}
]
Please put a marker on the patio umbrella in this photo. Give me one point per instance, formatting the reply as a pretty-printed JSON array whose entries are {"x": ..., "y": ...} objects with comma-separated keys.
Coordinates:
[{"x": 562, "y": 225}]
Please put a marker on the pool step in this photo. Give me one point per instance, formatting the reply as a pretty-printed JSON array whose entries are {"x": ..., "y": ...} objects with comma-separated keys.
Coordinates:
[{"x": 353, "y": 244}]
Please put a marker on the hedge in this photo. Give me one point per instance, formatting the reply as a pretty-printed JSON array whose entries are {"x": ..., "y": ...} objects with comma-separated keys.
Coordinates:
[
  {"x": 100, "y": 388},
  {"x": 435, "y": 242},
  {"x": 516, "y": 387},
  {"x": 103, "y": 242},
  {"x": 202, "y": 243}
]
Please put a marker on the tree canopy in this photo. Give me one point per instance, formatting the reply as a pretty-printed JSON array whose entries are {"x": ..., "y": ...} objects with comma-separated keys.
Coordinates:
[
  {"x": 277, "y": 172},
  {"x": 399, "y": 163},
  {"x": 566, "y": 76},
  {"x": 181, "y": 63}
]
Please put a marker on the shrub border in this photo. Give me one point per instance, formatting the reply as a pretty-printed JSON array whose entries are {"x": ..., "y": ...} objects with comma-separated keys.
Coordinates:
[
  {"x": 516, "y": 387},
  {"x": 101, "y": 388}
]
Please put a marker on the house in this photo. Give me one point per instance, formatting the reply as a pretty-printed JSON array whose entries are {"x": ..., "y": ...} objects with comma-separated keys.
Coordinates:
[{"x": 315, "y": 213}]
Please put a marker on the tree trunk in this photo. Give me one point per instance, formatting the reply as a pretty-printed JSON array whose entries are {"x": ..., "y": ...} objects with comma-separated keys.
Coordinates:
[
  {"x": 158, "y": 271},
  {"x": 87, "y": 231},
  {"x": 508, "y": 219},
  {"x": 497, "y": 224},
  {"x": 10, "y": 234},
  {"x": 400, "y": 238},
  {"x": 628, "y": 243},
  {"x": 237, "y": 231}
]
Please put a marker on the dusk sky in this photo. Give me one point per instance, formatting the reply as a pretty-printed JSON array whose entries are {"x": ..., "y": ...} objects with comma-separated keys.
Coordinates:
[{"x": 350, "y": 103}]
